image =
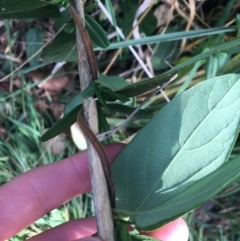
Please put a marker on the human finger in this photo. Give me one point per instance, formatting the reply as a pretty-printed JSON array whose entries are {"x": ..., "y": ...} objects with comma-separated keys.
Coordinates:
[
  {"x": 32, "y": 194},
  {"x": 72, "y": 230},
  {"x": 176, "y": 230}
]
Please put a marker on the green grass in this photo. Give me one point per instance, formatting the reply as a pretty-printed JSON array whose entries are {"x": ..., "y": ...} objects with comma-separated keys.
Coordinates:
[{"x": 21, "y": 151}]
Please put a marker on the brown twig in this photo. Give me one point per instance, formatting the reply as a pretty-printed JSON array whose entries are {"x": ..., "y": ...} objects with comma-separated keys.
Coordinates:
[{"x": 99, "y": 187}]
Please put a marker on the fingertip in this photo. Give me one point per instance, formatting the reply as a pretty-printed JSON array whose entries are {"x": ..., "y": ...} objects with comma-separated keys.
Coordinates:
[
  {"x": 176, "y": 230},
  {"x": 76, "y": 229}
]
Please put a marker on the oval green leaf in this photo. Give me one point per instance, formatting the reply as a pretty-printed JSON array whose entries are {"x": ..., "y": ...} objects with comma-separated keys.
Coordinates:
[
  {"x": 194, "y": 196},
  {"x": 96, "y": 32},
  {"x": 188, "y": 139}
]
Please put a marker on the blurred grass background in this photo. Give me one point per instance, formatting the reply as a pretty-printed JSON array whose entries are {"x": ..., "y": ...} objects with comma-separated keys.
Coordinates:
[{"x": 33, "y": 99}]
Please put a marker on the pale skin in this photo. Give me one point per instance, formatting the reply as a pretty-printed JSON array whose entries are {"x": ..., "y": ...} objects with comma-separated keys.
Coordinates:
[{"x": 31, "y": 195}]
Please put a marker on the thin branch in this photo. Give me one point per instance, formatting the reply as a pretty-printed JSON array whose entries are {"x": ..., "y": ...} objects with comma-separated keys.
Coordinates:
[{"x": 102, "y": 206}]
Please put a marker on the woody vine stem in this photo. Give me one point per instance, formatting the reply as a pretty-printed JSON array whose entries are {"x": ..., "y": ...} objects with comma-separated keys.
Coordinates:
[{"x": 102, "y": 206}]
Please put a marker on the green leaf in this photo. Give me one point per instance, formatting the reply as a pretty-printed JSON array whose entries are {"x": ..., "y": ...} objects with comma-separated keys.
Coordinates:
[
  {"x": 90, "y": 7},
  {"x": 111, "y": 96},
  {"x": 74, "y": 102},
  {"x": 146, "y": 85},
  {"x": 128, "y": 110},
  {"x": 215, "y": 63},
  {"x": 149, "y": 23},
  {"x": 67, "y": 42},
  {"x": 114, "y": 83},
  {"x": 109, "y": 84},
  {"x": 90, "y": 91},
  {"x": 126, "y": 18},
  {"x": 194, "y": 196},
  {"x": 166, "y": 51},
  {"x": 190, "y": 76},
  {"x": 59, "y": 22},
  {"x": 162, "y": 53},
  {"x": 34, "y": 41},
  {"x": 61, "y": 125},
  {"x": 121, "y": 232},
  {"x": 103, "y": 124},
  {"x": 188, "y": 139},
  {"x": 223, "y": 59},
  {"x": 64, "y": 3},
  {"x": 100, "y": 97},
  {"x": 238, "y": 19},
  {"x": 27, "y": 9},
  {"x": 212, "y": 67},
  {"x": 225, "y": 13},
  {"x": 64, "y": 41},
  {"x": 96, "y": 32},
  {"x": 232, "y": 66}
]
